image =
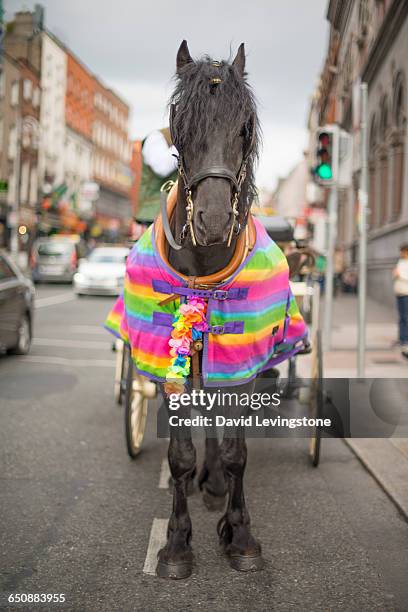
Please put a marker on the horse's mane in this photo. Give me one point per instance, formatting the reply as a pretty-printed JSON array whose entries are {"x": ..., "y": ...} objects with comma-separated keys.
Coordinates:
[{"x": 200, "y": 106}]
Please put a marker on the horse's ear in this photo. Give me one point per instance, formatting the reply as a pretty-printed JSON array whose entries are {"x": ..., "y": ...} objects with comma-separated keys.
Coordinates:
[
  {"x": 239, "y": 61},
  {"x": 183, "y": 56}
]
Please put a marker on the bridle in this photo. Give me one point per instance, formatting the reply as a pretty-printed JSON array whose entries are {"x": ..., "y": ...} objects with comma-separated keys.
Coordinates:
[{"x": 239, "y": 217}]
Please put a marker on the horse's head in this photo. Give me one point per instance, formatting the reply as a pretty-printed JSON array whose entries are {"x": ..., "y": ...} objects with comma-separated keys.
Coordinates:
[{"x": 215, "y": 129}]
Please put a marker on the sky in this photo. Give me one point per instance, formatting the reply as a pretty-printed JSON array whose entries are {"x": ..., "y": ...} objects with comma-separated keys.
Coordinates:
[{"x": 131, "y": 45}]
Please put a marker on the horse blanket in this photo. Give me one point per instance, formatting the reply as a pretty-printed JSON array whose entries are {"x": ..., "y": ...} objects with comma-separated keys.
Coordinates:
[{"x": 252, "y": 321}]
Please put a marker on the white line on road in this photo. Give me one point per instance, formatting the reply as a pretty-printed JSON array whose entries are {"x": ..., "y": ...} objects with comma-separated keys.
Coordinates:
[
  {"x": 156, "y": 541},
  {"x": 84, "y": 344},
  {"x": 54, "y": 299},
  {"x": 164, "y": 474},
  {"x": 87, "y": 329},
  {"x": 62, "y": 361}
]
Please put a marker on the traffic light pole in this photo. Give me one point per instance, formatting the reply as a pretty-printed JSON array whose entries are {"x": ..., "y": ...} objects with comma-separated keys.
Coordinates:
[
  {"x": 329, "y": 281},
  {"x": 362, "y": 271}
]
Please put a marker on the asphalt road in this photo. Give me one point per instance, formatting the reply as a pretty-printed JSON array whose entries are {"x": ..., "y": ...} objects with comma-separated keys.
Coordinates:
[{"x": 77, "y": 513}]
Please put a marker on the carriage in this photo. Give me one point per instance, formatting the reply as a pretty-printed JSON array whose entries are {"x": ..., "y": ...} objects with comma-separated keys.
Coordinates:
[{"x": 133, "y": 391}]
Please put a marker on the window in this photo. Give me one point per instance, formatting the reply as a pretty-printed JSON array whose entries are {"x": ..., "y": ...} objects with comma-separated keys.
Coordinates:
[
  {"x": 27, "y": 89},
  {"x": 36, "y": 97},
  {"x": 25, "y": 177},
  {"x": 399, "y": 121},
  {"x": 384, "y": 163},
  {"x": 12, "y": 148},
  {"x": 14, "y": 94},
  {"x": 33, "y": 186},
  {"x": 372, "y": 173},
  {"x": 363, "y": 17}
]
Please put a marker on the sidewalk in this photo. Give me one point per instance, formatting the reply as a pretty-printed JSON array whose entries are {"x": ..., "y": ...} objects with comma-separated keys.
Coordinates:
[
  {"x": 386, "y": 459},
  {"x": 383, "y": 358}
]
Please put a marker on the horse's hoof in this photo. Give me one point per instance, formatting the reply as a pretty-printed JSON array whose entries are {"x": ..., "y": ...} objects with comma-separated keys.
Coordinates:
[
  {"x": 174, "y": 571},
  {"x": 244, "y": 563},
  {"x": 213, "y": 503}
]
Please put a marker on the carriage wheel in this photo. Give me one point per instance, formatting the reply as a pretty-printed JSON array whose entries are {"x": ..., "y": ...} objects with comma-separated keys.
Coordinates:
[
  {"x": 135, "y": 413},
  {"x": 316, "y": 398},
  {"x": 120, "y": 372}
]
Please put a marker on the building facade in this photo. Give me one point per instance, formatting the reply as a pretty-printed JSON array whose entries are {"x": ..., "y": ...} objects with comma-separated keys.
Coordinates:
[
  {"x": 83, "y": 135},
  {"x": 368, "y": 42},
  {"x": 20, "y": 97},
  {"x": 78, "y": 136},
  {"x": 9, "y": 121},
  {"x": 111, "y": 161}
]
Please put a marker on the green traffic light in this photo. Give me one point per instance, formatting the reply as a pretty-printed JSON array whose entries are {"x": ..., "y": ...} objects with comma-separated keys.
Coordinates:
[{"x": 324, "y": 172}]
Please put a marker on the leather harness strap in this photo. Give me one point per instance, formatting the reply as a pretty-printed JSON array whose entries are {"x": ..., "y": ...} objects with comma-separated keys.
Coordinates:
[
  {"x": 245, "y": 244},
  {"x": 196, "y": 347}
]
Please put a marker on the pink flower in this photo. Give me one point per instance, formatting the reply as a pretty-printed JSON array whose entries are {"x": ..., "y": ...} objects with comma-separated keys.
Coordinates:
[
  {"x": 202, "y": 326},
  {"x": 181, "y": 345}
]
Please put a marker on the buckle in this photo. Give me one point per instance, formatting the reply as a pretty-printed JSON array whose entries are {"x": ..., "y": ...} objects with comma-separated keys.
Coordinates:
[
  {"x": 220, "y": 294},
  {"x": 218, "y": 329}
]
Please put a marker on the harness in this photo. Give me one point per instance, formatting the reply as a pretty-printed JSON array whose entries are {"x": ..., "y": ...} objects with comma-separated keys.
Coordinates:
[{"x": 253, "y": 321}]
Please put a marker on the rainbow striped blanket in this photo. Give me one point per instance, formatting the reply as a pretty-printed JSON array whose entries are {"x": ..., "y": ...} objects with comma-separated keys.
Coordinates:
[{"x": 253, "y": 319}]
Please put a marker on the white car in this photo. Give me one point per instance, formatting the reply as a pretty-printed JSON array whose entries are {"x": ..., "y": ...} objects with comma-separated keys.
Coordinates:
[{"x": 102, "y": 273}]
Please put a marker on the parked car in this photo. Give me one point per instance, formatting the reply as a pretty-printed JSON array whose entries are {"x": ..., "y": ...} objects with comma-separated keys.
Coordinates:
[
  {"x": 103, "y": 272},
  {"x": 56, "y": 258},
  {"x": 16, "y": 307}
]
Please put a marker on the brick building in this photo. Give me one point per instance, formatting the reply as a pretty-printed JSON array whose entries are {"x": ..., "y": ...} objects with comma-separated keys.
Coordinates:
[
  {"x": 79, "y": 96},
  {"x": 111, "y": 159},
  {"x": 83, "y": 133}
]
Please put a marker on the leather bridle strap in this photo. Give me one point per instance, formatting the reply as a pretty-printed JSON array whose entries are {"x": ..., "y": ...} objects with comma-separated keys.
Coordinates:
[
  {"x": 165, "y": 218},
  {"x": 211, "y": 172}
]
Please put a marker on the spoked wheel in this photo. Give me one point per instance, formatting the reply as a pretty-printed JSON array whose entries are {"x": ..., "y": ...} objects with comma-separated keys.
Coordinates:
[
  {"x": 316, "y": 398},
  {"x": 122, "y": 360},
  {"x": 135, "y": 411}
]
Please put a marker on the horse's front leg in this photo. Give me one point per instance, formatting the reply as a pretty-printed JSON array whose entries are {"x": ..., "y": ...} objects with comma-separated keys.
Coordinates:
[
  {"x": 175, "y": 560},
  {"x": 242, "y": 549},
  {"x": 211, "y": 479}
]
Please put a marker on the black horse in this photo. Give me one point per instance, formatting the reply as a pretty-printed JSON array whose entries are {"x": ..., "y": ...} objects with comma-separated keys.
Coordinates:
[{"x": 215, "y": 128}]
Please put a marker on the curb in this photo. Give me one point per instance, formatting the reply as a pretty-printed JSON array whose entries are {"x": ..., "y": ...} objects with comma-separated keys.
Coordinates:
[{"x": 387, "y": 465}]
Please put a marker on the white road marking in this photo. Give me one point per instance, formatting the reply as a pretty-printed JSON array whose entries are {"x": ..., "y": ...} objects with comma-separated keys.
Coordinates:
[
  {"x": 158, "y": 538},
  {"x": 54, "y": 299},
  {"x": 83, "y": 344},
  {"x": 87, "y": 329},
  {"x": 63, "y": 361},
  {"x": 164, "y": 474}
]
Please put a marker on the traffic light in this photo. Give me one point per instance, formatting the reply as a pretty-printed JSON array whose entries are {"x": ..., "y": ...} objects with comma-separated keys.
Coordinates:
[{"x": 326, "y": 168}]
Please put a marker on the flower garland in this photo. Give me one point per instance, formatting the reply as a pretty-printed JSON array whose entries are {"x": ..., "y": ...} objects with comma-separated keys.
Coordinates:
[{"x": 188, "y": 326}]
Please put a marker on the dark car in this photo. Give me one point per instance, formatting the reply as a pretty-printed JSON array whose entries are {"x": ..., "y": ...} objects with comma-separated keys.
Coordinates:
[
  {"x": 16, "y": 308},
  {"x": 55, "y": 259}
]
